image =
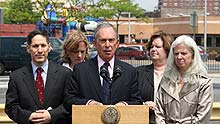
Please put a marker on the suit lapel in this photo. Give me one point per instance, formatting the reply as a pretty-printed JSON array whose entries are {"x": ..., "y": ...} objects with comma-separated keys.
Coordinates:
[
  {"x": 51, "y": 78},
  {"x": 116, "y": 84},
  {"x": 30, "y": 83},
  {"x": 96, "y": 83},
  {"x": 150, "y": 74},
  {"x": 171, "y": 88},
  {"x": 188, "y": 88}
]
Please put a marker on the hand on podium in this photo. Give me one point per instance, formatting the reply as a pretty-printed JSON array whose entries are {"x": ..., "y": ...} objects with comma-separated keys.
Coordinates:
[
  {"x": 152, "y": 105},
  {"x": 93, "y": 102},
  {"x": 122, "y": 103}
]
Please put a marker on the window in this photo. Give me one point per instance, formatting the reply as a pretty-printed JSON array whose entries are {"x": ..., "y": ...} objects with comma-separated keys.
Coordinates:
[
  {"x": 164, "y": 4},
  {"x": 209, "y": 42},
  {"x": 216, "y": 8},
  {"x": 217, "y": 41}
]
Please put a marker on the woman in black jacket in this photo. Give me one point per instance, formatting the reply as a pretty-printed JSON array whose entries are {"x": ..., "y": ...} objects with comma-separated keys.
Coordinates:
[{"x": 150, "y": 75}]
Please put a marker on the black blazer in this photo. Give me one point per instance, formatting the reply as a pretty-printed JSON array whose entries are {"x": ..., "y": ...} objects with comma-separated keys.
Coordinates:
[
  {"x": 22, "y": 98},
  {"x": 86, "y": 85},
  {"x": 146, "y": 86},
  {"x": 146, "y": 82}
]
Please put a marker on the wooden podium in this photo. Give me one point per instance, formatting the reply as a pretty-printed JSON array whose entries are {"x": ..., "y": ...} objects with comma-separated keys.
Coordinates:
[{"x": 130, "y": 114}]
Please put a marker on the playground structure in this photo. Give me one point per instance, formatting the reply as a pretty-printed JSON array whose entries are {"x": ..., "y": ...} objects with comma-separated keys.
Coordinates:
[{"x": 67, "y": 22}]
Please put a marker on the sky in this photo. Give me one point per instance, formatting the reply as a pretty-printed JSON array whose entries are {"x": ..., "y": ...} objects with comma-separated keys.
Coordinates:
[{"x": 148, "y": 5}]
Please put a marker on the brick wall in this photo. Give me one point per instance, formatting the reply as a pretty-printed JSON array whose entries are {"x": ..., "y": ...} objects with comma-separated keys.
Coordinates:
[{"x": 16, "y": 29}]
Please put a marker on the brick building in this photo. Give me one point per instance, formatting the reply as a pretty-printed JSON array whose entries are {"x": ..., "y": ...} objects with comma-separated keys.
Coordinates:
[
  {"x": 174, "y": 25},
  {"x": 186, "y": 7},
  {"x": 16, "y": 29}
]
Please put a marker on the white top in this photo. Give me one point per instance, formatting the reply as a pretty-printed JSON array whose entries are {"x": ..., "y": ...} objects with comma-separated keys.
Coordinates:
[
  {"x": 157, "y": 78},
  {"x": 67, "y": 65}
]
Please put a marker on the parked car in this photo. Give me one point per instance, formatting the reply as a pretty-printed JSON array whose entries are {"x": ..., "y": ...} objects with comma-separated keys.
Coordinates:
[
  {"x": 217, "y": 58},
  {"x": 13, "y": 52},
  {"x": 131, "y": 53},
  {"x": 204, "y": 55},
  {"x": 136, "y": 45}
]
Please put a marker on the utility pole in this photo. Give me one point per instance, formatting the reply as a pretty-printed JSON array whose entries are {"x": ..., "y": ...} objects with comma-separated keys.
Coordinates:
[
  {"x": 129, "y": 25},
  {"x": 205, "y": 27},
  {"x": 194, "y": 23}
]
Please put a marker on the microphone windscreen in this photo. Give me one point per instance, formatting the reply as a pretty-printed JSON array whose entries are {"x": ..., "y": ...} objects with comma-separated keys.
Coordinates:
[
  {"x": 104, "y": 72},
  {"x": 117, "y": 72}
]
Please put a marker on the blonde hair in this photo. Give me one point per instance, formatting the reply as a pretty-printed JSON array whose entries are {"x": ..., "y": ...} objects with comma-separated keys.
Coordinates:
[{"x": 72, "y": 41}]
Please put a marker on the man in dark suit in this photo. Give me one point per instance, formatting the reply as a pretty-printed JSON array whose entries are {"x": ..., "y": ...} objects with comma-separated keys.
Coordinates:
[
  {"x": 86, "y": 87},
  {"x": 37, "y": 97}
]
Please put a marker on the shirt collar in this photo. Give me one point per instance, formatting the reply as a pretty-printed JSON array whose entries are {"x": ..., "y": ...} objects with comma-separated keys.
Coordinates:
[
  {"x": 44, "y": 66},
  {"x": 101, "y": 62}
]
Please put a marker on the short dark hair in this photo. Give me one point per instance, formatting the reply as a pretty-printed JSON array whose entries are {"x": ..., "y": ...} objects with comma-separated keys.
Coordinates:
[
  {"x": 37, "y": 32},
  {"x": 165, "y": 37}
]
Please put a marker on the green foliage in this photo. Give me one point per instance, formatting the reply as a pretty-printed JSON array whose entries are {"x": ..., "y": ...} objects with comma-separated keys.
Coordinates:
[
  {"x": 115, "y": 9},
  {"x": 2, "y": 5},
  {"x": 20, "y": 11}
]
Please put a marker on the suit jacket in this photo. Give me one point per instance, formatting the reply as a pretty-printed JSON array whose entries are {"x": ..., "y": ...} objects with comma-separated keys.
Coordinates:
[
  {"x": 86, "y": 85},
  {"x": 22, "y": 98},
  {"x": 146, "y": 82},
  {"x": 146, "y": 86}
]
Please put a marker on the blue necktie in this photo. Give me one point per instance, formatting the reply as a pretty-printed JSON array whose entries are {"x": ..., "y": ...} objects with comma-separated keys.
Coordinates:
[{"x": 105, "y": 86}]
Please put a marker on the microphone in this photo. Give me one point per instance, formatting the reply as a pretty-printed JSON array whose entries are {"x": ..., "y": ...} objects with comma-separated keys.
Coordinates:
[
  {"x": 104, "y": 72},
  {"x": 117, "y": 72}
]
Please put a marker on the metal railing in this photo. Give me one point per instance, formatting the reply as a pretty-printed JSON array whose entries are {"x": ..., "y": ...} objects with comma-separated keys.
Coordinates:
[{"x": 213, "y": 66}]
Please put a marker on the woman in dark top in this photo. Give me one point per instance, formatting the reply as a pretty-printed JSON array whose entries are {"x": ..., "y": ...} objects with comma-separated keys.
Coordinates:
[{"x": 150, "y": 75}]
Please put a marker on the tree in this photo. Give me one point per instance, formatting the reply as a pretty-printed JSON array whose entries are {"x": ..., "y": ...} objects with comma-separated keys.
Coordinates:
[
  {"x": 116, "y": 9},
  {"x": 20, "y": 11}
]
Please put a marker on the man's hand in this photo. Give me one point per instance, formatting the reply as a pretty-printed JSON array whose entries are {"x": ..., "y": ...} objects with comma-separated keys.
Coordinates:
[
  {"x": 93, "y": 102},
  {"x": 151, "y": 105},
  {"x": 40, "y": 117},
  {"x": 122, "y": 103}
]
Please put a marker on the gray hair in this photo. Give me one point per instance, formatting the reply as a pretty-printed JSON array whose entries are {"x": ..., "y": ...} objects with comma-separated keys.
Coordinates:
[
  {"x": 104, "y": 25},
  {"x": 197, "y": 66}
]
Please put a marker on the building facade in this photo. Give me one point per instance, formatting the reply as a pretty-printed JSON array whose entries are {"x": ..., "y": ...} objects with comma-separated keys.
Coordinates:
[
  {"x": 186, "y": 7},
  {"x": 141, "y": 31}
]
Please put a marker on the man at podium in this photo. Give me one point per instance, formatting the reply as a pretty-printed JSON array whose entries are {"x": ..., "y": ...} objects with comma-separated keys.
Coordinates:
[{"x": 103, "y": 80}]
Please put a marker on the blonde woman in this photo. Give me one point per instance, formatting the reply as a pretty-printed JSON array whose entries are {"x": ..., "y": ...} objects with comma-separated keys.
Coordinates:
[{"x": 75, "y": 49}]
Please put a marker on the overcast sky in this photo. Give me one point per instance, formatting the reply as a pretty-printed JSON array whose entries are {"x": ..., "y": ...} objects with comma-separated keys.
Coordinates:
[{"x": 148, "y": 5}]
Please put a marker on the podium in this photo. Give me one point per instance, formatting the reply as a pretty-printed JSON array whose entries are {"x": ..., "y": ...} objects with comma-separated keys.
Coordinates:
[{"x": 130, "y": 114}]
